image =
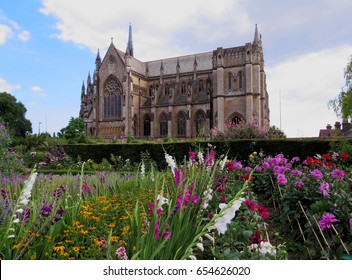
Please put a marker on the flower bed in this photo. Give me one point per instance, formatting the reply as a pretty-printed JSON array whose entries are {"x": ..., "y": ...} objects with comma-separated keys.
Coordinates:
[{"x": 206, "y": 207}]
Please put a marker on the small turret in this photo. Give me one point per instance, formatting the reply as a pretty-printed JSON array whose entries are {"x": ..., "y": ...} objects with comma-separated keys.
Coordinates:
[
  {"x": 129, "y": 49},
  {"x": 83, "y": 92},
  {"x": 97, "y": 62}
]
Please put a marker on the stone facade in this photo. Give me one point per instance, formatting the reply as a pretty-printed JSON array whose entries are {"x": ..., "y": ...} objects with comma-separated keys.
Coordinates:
[{"x": 179, "y": 97}]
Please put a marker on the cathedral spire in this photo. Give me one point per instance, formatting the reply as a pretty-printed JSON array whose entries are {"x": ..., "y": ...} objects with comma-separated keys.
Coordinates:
[
  {"x": 256, "y": 35},
  {"x": 129, "y": 49}
]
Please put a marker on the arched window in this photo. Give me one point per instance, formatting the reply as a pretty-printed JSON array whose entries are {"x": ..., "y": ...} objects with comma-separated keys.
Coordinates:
[
  {"x": 163, "y": 125},
  {"x": 200, "y": 123},
  {"x": 146, "y": 125},
  {"x": 181, "y": 124},
  {"x": 112, "y": 98}
]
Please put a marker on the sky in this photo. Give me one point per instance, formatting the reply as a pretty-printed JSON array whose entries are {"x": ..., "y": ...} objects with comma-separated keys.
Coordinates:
[{"x": 48, "y": 47}]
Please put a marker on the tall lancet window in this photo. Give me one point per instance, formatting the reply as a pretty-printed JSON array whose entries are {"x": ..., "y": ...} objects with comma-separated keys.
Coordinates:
[
  {"x": 200, "y": 122},
  {"x": 163, "y": 124},
  {"x": 181, "y": 124},
  {"x": 112, "y": 98}
]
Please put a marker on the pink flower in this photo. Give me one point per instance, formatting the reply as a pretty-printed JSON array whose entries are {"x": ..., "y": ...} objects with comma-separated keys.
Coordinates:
[
  {"x": 299, "y": 184},
  {"x": 167, "y": 235},
  {"x": 350, "y": 223},
  {"x": 316, "y": 174},
  {"x": 157, "y": 230},
  {"x": 250, "y": 204},
  {"x": 327, "y": 220},
  {"x": 195, "y": 199},
  {"x": 337, "y": 173},
  {"x": 121, "y": 253},
  {"x": 281, "y": 179},
  {"x": 324, "y": 189}
]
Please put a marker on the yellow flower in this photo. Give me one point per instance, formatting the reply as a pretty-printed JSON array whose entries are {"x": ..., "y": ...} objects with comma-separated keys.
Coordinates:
[
  {"x": 83, "y": 231},
  {"x": 16, "y": 246},
  {"x": 60, "y": 248},
  {"x": 114, "y": 238},
  {"x": 76, "y": 249}
]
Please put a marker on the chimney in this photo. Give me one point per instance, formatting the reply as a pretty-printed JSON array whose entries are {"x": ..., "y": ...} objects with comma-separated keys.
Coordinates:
[{"x": 337, "y": 125}]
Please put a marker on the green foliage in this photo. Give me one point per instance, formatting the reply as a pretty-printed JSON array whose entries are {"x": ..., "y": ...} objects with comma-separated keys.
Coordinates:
[
  {"x": 10, "y": 161},
  {"x": 342, "y": 104},
  {"x": 12, "y": 114},
  {"x": 74, "y": 131}
]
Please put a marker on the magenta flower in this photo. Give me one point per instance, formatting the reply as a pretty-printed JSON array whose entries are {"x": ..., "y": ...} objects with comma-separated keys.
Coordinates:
[
  {"x": 316, "y": 174},
  {"x": 324, "y": 189},
  {"x": 167, "y": 235},
  {"x": 299, "y": 184},
  {"x": 337, "y": 173},
  {"x": 281, "y": 179},
  {"x": 327, "y": 220},
  {"x": 157, "y": 230},
  {"x": 195, "y": 199},
  {"x": 350, "y": 223}
]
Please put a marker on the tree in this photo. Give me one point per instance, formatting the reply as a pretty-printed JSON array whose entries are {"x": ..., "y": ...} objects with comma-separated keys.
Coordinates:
[
  {"x": 74, "y": 131},
  {"x": 342, "y": 104},
  {"x": 12, "y": 114}
]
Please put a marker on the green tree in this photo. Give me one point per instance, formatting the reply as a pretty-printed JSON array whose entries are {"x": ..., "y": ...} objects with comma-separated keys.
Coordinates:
[
  {"x": 74, "y": 131},
  {"x": 12, "y": 114},
  {"x": 342, "y": 104}
]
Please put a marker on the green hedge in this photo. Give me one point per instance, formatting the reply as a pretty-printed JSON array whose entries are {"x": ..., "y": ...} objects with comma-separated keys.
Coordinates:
[{"x": 239, "y": 149}]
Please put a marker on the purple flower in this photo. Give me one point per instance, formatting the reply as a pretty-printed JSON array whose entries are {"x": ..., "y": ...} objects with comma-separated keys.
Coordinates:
[
  {"x": 60, "y": 211},
  {"x": 337, "y": 173},
  {"x": 350, "y": 223},
  {"x": 167, "y": 235},
  {"x": 296, "y": 172},
  {"x": 299, "y": 184},
  {"x": 316, "y": 174},
  {"x": 195, "y": 199},
  {"x": 46, "y": 210},
  {"x": 324, "y": 189},
  {"x": 26, "y": 215},
  {"x": 327, "y": 220},
  {"x": 281, "y": 179}
]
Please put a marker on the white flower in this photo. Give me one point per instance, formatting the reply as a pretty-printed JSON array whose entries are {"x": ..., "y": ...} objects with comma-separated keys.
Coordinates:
[
  {"x": 170, "y": 161},
  {"x": 227, "y": 213},
  {"x": 16, "y": 221},
  {"x": 27, "y": 191},
  {"x": 142, "y": 170},
  {"x": 192, "y": 257},
  {"x": 200, "y": 157},
  {"x": 223, "y": 162},
  {"x": 264, "y": 248},
  {"x": 209, "y": 237},
  {"x": 200, "y": 246},
  {"x": 162, "y": 200},
  {"x": 20, "y": 211},
  {"x": 11, "y": 236}
]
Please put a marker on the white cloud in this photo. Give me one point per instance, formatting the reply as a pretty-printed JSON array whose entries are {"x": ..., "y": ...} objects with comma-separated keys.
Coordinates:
[
  {"x": 5, "y": 33},
  {"x": 306, "y": 84},
  {"x": 39, "y": 90},
  {"x": 160, "y": 27},
  {"x": 6, "y": 87},
  {"x": 24, "y": 35}
]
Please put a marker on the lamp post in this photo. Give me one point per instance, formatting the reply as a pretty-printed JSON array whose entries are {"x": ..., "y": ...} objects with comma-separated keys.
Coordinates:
[{"x": 39, "y": 128}]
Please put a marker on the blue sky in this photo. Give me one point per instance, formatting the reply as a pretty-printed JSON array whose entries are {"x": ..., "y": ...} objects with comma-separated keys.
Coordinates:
[{"x": 47, "y": 48}]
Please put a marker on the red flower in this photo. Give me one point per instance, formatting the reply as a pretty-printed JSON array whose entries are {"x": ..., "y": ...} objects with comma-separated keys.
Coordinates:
[
  {"x": 344, "y": 156},
  {"x": 326, "y": 156}
]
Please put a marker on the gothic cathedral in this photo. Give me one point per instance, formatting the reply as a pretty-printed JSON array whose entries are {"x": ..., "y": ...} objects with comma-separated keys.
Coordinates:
[{"x": 179, "y": 97}]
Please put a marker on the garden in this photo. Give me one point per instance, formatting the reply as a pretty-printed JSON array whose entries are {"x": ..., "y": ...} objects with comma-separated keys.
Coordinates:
[{"x": 206, "y": 206}]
